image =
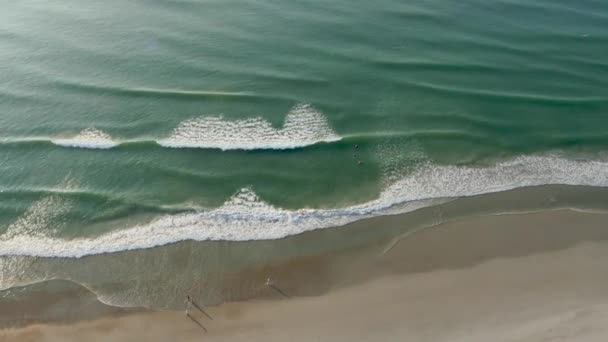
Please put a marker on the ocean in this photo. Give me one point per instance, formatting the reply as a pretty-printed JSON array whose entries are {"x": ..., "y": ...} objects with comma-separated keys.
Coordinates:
[{"x": 238, "y": 125}]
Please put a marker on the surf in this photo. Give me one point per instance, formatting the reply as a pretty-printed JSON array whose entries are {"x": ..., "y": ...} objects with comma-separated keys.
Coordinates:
[
  {"x": 303, "y": 126},
  {"x": 90, "y": 138},
  {"x": 245, "y": 216}
]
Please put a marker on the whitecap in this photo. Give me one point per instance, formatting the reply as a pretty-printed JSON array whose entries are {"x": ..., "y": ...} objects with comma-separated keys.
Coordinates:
[
  {"x": 304, "y": 126},
  {"x": 246, "y": 217},
  {"x": 91, "y": 138}
]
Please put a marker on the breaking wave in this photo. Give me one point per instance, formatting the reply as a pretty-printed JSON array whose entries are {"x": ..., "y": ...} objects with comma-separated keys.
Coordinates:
[
  {"x": 303, "y": 126},
  {"x": 88, "y": 138},
  {"x": 246, "y": 217}
]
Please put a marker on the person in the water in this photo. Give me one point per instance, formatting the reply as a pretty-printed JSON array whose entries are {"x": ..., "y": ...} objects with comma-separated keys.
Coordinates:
[{"x": 359, "y": 162}]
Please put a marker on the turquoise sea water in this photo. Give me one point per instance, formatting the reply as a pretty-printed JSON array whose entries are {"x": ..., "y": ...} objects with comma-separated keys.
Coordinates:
[{"x": 128, "y": 125}]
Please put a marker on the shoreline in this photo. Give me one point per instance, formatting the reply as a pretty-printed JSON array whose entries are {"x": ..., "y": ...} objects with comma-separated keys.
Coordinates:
[{"x": 520, "y": 249}]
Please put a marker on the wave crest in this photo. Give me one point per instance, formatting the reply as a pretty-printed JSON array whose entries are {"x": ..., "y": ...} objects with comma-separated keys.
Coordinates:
[
  {"x": 303, "y": 126},
  {"x": 88, "y": 138},
  {"x": 246, "y": 217}
]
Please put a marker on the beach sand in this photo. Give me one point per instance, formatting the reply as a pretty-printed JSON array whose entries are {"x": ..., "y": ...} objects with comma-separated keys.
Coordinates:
[{"x": 526, "y": 277}]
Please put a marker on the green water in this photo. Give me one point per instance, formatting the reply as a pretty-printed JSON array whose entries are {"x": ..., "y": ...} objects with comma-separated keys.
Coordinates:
[{"x": 443, "y": 99}]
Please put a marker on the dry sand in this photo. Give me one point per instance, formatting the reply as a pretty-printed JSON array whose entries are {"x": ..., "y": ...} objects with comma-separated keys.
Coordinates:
[{"x": 531, "y": 277}]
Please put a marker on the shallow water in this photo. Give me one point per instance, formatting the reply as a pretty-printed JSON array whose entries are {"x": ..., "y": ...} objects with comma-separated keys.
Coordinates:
[{"x": 308, "y": 264}]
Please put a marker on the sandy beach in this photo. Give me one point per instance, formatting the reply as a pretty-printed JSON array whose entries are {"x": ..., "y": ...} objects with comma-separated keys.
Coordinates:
[
  {"x": 527, "y": 277},
  {"x": 297, "y": 171}
]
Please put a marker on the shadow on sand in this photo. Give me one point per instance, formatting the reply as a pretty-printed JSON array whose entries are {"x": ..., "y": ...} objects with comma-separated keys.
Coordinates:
[
  {"x": 278, "y": 290},
  {"x": 201, "y": 310},
  {"x": 197, "y": 323}
]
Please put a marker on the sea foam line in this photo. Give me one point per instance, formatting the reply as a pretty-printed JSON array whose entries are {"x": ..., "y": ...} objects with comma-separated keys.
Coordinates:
[
  {"x": 303, "y": 126},
  {"x": 246, "y": 217}
]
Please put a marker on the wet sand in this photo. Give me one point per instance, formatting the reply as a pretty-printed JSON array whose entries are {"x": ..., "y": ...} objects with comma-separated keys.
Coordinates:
[{"x": 526, "y": 277}]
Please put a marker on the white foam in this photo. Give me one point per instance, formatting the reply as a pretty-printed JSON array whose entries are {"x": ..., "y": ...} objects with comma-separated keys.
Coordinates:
[
  {"x": 246, "y": 217},
  {"x": 37, "y": 219},
  {"x": 303, "y": 126},
  {"x": 88, "y": 138}
]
